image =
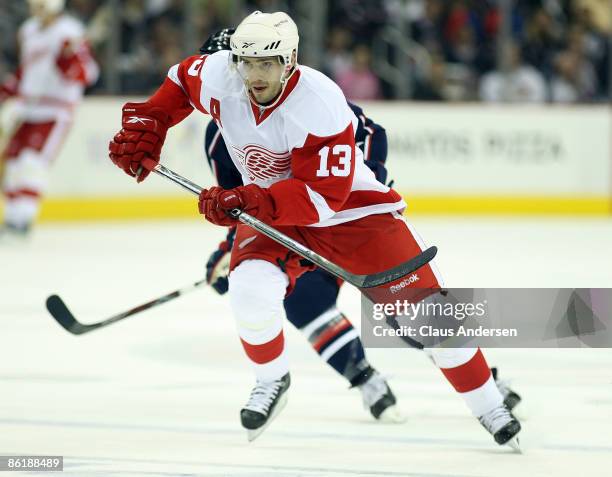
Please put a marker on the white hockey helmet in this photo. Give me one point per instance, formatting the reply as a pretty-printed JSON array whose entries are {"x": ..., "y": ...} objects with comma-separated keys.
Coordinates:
[
  {"x": 51, "y": 7},
  {"x": 266, "y": 34}
]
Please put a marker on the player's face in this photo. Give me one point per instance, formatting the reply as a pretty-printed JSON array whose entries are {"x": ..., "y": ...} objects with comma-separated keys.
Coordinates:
[{"x": 263, "y": 77}]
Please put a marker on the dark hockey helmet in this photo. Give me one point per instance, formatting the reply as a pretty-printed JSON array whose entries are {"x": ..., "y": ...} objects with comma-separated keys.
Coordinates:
[{"x": 217, "y": 41}]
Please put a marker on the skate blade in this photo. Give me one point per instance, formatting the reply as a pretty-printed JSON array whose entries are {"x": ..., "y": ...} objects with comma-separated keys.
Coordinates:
[
  {"x": 392, "y": 415},
  {"x": 253, "y": 434},
  {"x": 515, "y": 445}
]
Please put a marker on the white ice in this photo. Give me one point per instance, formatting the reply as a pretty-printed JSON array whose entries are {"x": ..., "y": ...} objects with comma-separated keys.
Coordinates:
[{"x": 159, "y": 394}]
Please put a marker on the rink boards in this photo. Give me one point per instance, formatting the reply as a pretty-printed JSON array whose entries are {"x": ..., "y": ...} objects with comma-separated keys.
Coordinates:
[{"x": 445, "y": 159}]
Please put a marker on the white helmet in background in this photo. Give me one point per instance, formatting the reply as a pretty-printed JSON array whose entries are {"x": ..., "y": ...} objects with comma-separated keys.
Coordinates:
[
  {"x": 266, "y": 34},
  {"x": 51, "y": 7}
]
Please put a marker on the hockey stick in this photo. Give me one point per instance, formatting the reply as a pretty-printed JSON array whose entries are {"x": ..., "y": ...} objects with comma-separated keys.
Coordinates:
[
  {"x": 64, "y": 317},
  {"x": 59, "y": 310},
  {"x": 360, "y": 281}
]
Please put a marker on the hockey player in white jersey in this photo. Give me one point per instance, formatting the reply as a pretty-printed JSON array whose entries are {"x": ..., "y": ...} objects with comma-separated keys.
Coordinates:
[
  {"x": 55, "y": 66},
  {"x": 312, "y": 307},
  {"x": 290, "y": 133}
]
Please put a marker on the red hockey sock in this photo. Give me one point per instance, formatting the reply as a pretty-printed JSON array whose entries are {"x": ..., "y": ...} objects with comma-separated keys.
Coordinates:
[{"x": 470, "y": 375}]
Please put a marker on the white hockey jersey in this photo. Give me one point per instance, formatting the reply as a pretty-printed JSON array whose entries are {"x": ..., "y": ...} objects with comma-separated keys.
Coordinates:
[
  {"x": 43, "y": 88},
  {"x": 302, "y": 150}
]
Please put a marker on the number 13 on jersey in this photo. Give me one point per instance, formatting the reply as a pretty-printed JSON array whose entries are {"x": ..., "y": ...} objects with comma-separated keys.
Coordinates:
[{"x": 344, "y": 152}]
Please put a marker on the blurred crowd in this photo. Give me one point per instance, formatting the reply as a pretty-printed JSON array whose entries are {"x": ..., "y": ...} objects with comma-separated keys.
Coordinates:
[
  {"x": 449, "y": 50},
  {"x": 553, "y": 50},
  {"x": 136, "y": 39}
]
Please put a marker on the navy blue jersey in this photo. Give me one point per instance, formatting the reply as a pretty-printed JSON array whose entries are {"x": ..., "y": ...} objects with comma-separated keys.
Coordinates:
[
  {"x": 370, "y": 137},
  {"x": 219, "y": 159}
]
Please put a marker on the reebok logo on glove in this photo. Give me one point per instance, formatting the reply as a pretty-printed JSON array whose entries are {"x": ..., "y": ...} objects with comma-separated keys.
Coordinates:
[
  {"x": 136, "y": 119},
  {"x": 137, "y": 146}
]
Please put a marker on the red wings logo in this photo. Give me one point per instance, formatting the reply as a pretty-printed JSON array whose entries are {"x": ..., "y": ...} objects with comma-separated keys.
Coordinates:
[{"x": 260, "y": 163}]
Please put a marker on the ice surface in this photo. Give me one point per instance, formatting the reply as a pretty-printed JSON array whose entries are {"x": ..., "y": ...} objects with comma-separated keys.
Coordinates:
[{"x": 159, "y": 394}]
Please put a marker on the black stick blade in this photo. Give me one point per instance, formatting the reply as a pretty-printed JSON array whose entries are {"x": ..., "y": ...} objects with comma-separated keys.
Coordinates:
[
  {"x": 406, "y": 268},
  {"x": 61, "y": 313}
]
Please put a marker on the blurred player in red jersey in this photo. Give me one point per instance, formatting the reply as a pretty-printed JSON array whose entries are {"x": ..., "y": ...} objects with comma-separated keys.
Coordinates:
[
  {"x": 291, "y": 136},
  {"x": 55, "y": 66}
]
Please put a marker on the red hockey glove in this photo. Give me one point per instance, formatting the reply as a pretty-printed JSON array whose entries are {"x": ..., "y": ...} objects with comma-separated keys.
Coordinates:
[
  {"x": 215, "y": 204},
  {"x": 71, "y": 62},
  {"x": 142, "y": 137}
]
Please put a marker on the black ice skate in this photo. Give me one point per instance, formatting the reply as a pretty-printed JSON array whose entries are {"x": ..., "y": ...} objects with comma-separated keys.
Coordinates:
[
  {"x": 266, "y": 401},
  {"x": 503, "y": 426},
  {"x": 380, "y": 400},
  {"x": 511, "y": 398}
]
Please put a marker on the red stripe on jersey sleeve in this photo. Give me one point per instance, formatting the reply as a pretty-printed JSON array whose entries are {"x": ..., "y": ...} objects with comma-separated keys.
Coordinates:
[
  {"x": 180, "y": 100},
  {"x": 189, "y": 75},
  {"x": 326, "y": 165},
  {"x": 172, "y": 99}
]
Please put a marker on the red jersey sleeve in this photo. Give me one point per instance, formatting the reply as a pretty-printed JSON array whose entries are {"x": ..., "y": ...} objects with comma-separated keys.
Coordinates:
[
  {"x": 323, "y": 170},
  {"x": 76, "y": 62},
  {"x": 180, "y": 93}
]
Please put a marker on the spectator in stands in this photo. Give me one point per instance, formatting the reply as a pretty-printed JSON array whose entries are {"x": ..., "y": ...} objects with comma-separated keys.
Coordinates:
[
  {"x": 463, "y": 49},
  {"x": 433, "y": 86},
  {"x": 468, "y": 31},
  {"x": 575, "y": 78},
  {"x": 84, "y": 10},
  {"x": 363, "y": 18},
  {"x": 165, "y": 49},
  {"x": 463, "y": 32},
  {"x": 565, "y": 83},
  {"x": 427, "y": 30},
  {"x": 338, "y": 56},
  {"x": 592, "y": 42},
  {"x": 516, "y": 82},
  {"x": 543, "y": 37},
  {"x": 359, "y": 81}
]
